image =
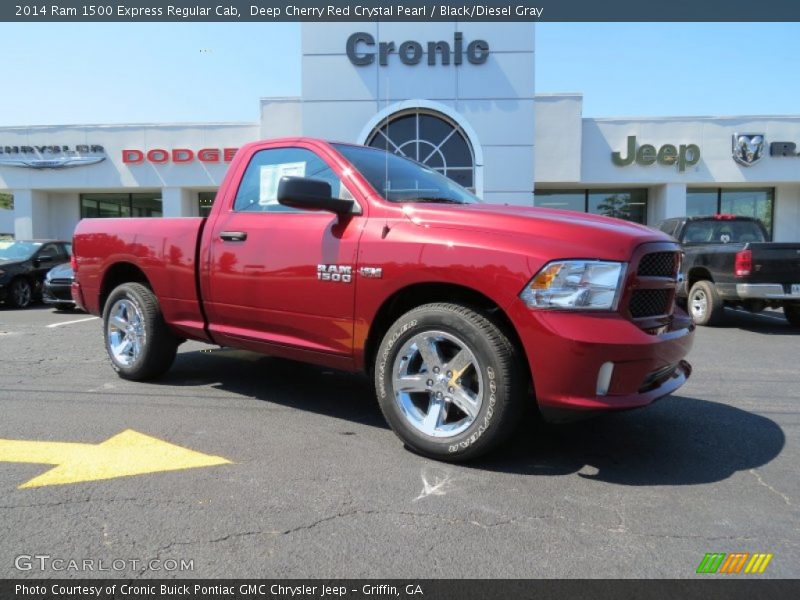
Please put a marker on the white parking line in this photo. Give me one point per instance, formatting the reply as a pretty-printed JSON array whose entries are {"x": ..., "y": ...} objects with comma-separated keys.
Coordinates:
[{"x": 72, "y": 322}]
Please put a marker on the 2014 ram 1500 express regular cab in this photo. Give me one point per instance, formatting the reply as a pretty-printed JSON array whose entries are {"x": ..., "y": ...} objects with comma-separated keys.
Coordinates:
[{"x": 358, "y": 259}]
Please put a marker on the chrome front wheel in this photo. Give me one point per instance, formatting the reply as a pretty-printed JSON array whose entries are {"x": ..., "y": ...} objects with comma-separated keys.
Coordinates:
[
  {"x": 698, "y": 304},
  {"x": 437, "y": 384},
  {"x": 705, "y": 304},
  {"x": 449, "y": 381}
]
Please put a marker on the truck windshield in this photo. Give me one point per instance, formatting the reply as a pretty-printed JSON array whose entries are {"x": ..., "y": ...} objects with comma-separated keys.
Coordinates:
[
  {"x": 399, "y": 179},
  {"x": 723, "y": 232},
  {"x": 18, "y": 250}
]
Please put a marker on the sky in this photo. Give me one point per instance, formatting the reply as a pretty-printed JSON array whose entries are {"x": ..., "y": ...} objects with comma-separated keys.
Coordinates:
[{"x": 68, "y": 73}]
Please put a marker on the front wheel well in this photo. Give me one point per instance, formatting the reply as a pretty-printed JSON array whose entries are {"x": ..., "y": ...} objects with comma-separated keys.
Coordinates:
[
  {"x": 116, "y": 275},
  {"x": 697, "y": 274},
  {"x": 416, "y": 295}
]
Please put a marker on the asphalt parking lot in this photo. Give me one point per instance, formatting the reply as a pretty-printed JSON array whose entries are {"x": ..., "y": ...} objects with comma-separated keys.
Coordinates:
[{"x": 317, "y": 485}]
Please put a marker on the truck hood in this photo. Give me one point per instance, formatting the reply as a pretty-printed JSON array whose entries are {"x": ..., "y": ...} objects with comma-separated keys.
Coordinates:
[{"x": 567, "y": 233}]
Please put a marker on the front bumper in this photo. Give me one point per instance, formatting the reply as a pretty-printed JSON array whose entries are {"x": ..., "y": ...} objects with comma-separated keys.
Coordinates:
[
  {"x": 57, "y": 294},
  {"x": 569, "y": 355}
]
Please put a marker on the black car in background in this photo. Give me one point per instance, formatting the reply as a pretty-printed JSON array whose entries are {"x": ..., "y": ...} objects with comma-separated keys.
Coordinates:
[
  {"x": 23, "y": 266},
  {"x": 57, "y": 289},
  {"x": 729, "y": 262}
]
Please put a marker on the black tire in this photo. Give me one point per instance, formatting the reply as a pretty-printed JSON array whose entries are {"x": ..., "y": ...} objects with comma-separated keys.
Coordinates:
[
  {"x": 705, "y": 304},
  {"x": 792, "y": 313},
  {"x": 157, "y": 344},
  {"x": 20, "y": 293},
  {"x": 493, "y": 357}
]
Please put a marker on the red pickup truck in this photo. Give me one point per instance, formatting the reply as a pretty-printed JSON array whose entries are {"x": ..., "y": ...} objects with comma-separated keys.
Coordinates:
[{"x": 361, "y": 260}]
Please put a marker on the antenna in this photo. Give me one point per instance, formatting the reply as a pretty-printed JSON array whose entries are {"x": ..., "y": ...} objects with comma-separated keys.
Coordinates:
[{"x": 386, "y": 185}]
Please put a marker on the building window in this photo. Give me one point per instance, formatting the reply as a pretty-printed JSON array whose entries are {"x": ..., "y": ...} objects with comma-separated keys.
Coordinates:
[
  {"x": 120, "y": 205},
  {"x": 430, "y": 138},
  {"x": 745, "y": 202},
  {"x": 7, "y": 201},
  {"x": 630, "y": 205},
  {"x": 205, "y": 201}
]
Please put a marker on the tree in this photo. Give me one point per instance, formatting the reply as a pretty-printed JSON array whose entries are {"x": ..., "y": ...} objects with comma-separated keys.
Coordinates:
[
  {"x": 615, "y": 205},
  {"x": 7, "y": 201}
]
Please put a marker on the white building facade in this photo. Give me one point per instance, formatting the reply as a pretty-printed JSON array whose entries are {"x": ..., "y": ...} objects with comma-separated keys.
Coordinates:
[{"x": 458, "y": 97}]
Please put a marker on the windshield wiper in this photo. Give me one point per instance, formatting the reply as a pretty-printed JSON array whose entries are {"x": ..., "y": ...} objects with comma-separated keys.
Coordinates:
[{"x": 435, "y": 199}]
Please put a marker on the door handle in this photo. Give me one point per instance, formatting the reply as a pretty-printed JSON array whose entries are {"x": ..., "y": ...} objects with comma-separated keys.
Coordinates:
[{"x": 233, "y": 236}]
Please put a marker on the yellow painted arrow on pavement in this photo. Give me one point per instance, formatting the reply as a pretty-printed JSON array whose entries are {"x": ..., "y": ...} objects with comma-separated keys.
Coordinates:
[{"x": 127, "y": 453}]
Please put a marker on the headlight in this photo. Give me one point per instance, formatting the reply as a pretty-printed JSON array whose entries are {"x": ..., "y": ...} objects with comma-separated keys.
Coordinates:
[{"x": 576, "y": 285}]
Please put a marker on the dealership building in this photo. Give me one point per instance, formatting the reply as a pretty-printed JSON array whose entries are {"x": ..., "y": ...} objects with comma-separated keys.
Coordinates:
[{"x": 458, "y": 97}]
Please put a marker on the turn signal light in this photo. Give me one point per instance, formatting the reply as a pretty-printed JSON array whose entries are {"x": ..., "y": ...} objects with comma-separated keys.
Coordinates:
[
  {"x": 546, "y": 276},
  {"x": 73, "y": 262},
  {"x": 744, "y": 263}
]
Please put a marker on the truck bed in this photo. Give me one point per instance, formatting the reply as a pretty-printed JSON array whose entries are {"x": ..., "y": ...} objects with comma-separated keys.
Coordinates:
[{"x": 164, "y": 249}]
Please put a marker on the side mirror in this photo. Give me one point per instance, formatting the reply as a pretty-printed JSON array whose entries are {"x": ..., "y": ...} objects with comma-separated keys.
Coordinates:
[
  {"x": 44, "y": 258},
  {"x": 311, "y": 194}
]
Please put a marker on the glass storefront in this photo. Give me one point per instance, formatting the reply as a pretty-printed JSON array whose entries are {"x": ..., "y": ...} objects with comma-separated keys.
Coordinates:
[
  {"x": 205, "y": 200},
  {"x": 121, "y": 205},
  {"x": 746, "y": 202},
  {"x": 630, "y": 205}
]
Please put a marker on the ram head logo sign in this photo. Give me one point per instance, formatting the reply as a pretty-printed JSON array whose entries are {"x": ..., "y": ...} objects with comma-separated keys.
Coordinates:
[{"x": 748, "y": 148}]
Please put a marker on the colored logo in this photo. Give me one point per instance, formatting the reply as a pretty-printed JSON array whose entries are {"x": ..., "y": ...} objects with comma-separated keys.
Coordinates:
[{"x": 733, "y": 563}]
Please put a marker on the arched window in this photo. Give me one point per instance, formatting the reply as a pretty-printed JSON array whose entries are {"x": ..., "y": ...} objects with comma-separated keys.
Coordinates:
[{"x": 430, "y": 138}]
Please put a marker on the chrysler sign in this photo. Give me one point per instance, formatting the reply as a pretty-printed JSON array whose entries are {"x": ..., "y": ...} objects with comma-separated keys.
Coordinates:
[{"x": 51, "y": 157}]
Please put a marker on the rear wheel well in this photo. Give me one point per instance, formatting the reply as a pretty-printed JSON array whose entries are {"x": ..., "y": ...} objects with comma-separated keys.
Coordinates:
[
  {"x": 118, "y": 274},
  {"x": 408, "y": 298}
]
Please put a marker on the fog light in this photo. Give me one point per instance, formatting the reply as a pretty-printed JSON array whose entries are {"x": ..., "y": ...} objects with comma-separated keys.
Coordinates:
[{"x": 604, "y": 378}]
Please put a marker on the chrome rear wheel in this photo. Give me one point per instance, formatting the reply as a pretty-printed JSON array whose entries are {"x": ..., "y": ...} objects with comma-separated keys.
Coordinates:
[
  {"x": 126, "y": 333},
  {"x": 139, "y": 343}
]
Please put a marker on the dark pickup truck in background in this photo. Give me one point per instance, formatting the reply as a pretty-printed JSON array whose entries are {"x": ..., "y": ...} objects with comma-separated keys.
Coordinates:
[{"x": 728, "y": 261}]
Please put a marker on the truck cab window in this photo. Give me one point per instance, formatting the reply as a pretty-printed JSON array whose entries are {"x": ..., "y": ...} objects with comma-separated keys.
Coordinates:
[{"x": 259, "y": 188}]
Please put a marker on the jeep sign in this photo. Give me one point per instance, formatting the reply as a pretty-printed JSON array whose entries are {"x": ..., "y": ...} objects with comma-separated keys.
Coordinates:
[{"x": 685, "y": 155}]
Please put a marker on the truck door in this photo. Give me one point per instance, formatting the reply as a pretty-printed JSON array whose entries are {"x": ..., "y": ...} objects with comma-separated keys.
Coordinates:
[{"x": 279, "y": 276}]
